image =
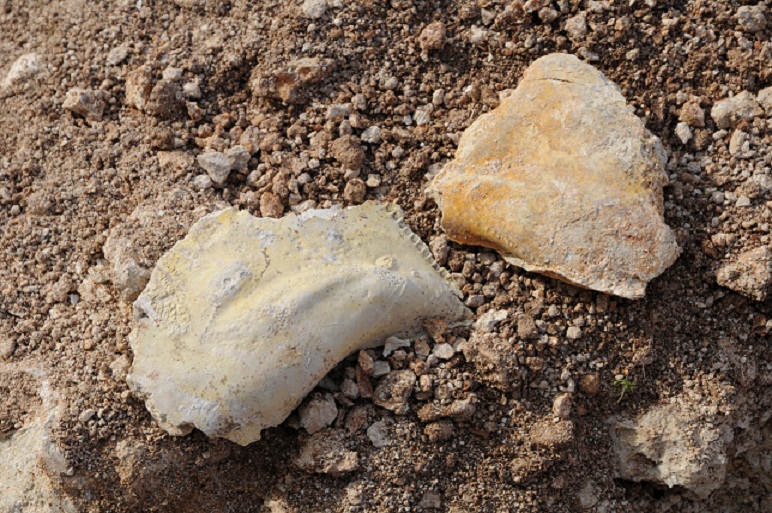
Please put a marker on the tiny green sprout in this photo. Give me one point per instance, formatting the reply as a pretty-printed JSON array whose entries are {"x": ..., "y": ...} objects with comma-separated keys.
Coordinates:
[{"x": 626, "y": 386}]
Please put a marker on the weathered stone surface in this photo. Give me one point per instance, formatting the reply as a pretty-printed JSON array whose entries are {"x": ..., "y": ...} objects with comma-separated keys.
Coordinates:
[
  {"x": 244, "y": 316},
  {"x": 730, "y": 111},
  {"x": 752, "y": 18},
  {"x": 217, "y": 165},
  {"x": 31, "y": 463},
  {"x": 750, "y": 274},
  {"x": 563, "y": 180},
  {"x": 678, "y": 444}
]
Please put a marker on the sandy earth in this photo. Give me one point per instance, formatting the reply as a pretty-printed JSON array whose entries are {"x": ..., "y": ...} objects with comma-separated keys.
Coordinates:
[{"x": 66, "y": 182}]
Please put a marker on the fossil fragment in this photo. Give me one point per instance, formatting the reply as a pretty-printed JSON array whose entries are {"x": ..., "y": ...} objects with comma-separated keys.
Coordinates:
[
  {"x": 564, "y": 180},
  {"x": 244, "y": 316}
]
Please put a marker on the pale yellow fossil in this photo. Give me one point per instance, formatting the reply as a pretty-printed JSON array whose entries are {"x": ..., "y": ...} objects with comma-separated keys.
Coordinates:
[{"x": 243, "y": 317}]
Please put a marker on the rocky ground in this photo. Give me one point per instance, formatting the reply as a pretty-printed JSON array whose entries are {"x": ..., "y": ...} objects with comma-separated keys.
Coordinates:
[{"x": 557, "y": 399}]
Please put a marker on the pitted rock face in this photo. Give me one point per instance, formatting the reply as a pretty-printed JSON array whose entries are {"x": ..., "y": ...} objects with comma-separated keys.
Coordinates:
[
  {"x": 564, "y": 180},
  {"x": 243, "y": 317}
]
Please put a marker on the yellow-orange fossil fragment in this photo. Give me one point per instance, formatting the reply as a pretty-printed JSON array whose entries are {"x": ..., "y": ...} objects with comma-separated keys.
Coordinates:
[{"x": 564, "y": 180}]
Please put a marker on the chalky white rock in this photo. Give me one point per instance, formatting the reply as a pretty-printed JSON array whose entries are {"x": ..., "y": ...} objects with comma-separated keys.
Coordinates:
[{"x": 243, "y": 317}]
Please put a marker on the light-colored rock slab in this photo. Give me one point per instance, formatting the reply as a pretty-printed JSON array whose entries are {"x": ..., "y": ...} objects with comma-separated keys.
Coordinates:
[
  {"x": 564, "y": 180},
  {"x": 244, "y": 316},
  {"x": 750, "y": 274},
  {"x": 678, "y": 444},
  {"x": 30, "y": 463},
  {"x": 728, "y": 112}
]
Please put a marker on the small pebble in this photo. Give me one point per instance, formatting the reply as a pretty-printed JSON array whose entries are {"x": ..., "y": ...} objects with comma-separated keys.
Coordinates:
[
  {"x": 381, "y": 368},
  {"x": 422, "y": 348},
  {"x": 318, "y": 413},
  {"x": 683, "y": 132},
  {"x": 217, "y": 165},
  {"x": 432, "y": 37},
  {"x": 378, "y": 434},
  {"x": 171, "y": 73},
  {"x": 574, "y": 332},
  {"x": 752, "y": 18},
  {"x": 561, "y": 406},
  {"x": 191, "y": 91},
  {"x": 444, "y": 351},
  {"x": 117, "y": 55},
  {"x": 202, "y": 182},
  {"x": 314, "y": 8},
  {"x": 394, "y": 343},
  {"x": 85, "y": 416}
]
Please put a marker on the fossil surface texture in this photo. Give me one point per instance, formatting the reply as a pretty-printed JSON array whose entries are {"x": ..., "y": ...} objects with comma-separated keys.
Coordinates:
[
  {"x": 563, "y": 179},
  {"x": 244, "y": 316}
]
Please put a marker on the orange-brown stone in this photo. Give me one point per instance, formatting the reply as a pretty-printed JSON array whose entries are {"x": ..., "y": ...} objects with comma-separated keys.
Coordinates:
[{"x": 564, "y": 180}]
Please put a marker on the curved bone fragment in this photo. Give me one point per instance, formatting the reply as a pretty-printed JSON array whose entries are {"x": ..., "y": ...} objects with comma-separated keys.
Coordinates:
[
  {"x": 243, "y": 317},
  {"x": 564, "y": 180}
]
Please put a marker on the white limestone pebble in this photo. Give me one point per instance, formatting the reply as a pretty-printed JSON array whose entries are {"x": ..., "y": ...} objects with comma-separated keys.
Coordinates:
[{"x": 314, "y": 8}]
